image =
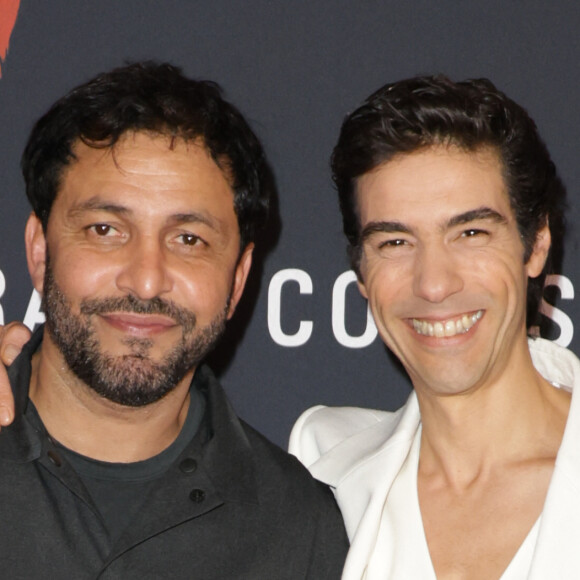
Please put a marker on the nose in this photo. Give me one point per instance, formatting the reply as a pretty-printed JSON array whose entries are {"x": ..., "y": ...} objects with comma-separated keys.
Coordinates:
[
  {"x": 436, "y": 274},
  {"x": 145, "y": 273}
]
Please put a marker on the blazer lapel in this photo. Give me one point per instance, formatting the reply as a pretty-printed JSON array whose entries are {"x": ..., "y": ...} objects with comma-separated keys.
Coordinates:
[
  {"x": 557, "y": 553},
  {"x": 361, "y": 470}
]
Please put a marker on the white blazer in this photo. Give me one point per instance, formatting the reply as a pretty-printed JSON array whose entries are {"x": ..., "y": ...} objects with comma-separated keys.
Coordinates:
[{"x": 359, "y": 452}]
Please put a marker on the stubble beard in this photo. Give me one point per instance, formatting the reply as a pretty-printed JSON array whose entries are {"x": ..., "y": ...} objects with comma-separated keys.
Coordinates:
[{"x": 132, "y": 380}]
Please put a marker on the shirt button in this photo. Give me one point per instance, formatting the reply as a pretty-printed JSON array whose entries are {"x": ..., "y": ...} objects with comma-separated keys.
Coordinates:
[
  {"x": 197, "y": 495},
  {"x": 54, "y": 458},
  {"x": 188, "y": 465}
]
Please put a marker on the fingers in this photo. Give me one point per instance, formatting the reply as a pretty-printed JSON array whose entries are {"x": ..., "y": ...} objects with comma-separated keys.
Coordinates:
[
  {"x": 13, "y": 336},
  {"x": 6, "y": 399}
]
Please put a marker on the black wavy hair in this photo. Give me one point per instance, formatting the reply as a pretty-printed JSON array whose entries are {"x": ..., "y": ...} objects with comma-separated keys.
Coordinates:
[
  {"x": 156, "y": 98},
  {"x": 419, "y": 112}
]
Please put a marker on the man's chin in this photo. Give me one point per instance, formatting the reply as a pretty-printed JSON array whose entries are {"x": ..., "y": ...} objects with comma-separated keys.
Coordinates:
[
  {"x": 133, "y": 381},
  {"x": 134, "y": 398}
]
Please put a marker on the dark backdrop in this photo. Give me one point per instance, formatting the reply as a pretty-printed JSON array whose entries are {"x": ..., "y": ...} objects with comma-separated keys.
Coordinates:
[{"x": 295, "y": 68}]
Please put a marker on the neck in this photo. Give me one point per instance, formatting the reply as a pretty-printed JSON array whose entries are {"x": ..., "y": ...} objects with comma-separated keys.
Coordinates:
[
  {"x": 95, "y": 427},
  {"x": 514, "y": 417}
]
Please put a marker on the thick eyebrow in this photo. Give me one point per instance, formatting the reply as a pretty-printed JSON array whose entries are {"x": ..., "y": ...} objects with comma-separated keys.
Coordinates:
[
  {"x": 383, "y": 227},
  {"x": 95, "y": 204},
  {"x": 194, "y": 217},
  {"x": 481, "y": 213}
]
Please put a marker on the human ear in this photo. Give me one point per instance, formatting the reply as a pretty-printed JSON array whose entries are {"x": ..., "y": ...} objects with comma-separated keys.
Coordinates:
[
  {"x": 35, "y": 241},
  {"x": 361, "y": 287},
  {"x": 240, "y": 276},
  {"x": 357, "y": 264},
  {"x": 540, "y": 251}
]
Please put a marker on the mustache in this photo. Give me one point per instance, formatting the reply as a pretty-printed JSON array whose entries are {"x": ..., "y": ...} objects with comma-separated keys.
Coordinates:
[{"x": 182, "y": 316}]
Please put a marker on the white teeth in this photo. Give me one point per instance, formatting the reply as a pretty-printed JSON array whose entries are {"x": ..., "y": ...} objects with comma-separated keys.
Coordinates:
[
  {"x": 450, "y": 328},
  {"x": 447, "y": 328}
]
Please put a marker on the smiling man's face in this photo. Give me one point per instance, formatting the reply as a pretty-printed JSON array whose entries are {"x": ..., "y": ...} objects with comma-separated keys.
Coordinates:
[
  {"x": 443, "y": 266},
  {"x": 143, "y": 264}
]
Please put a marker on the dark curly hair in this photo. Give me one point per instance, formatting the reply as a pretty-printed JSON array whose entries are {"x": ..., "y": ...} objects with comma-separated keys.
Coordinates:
[
  {"x": 419, "y": 112},
  {"x": 157, "y": 98}
]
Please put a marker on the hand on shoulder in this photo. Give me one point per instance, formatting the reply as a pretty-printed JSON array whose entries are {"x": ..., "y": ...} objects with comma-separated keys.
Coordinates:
[{"x": 13, "y": 337}]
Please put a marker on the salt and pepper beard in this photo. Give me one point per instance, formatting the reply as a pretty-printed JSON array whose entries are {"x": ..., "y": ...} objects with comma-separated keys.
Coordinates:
[{"x": 132, "y": 380}]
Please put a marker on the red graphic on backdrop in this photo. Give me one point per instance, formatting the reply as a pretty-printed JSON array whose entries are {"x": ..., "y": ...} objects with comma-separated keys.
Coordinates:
[{"x": 8, "y": 13}]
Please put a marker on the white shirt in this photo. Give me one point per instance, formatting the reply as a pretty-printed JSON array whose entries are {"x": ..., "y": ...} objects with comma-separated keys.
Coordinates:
[
  {"x": 409, "y": 557},
  {"x": 370, "y": 460}
]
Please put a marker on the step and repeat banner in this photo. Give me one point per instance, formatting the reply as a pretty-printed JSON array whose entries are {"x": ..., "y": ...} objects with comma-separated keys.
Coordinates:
[{"x": 302, "y": 334}]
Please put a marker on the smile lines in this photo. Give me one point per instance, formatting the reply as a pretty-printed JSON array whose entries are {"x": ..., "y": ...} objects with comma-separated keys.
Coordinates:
[{"x": 447, "y": 328}]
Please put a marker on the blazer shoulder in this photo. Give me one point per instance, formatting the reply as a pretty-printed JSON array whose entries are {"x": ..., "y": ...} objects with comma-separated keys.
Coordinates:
[{"x": 320, "y": 429}]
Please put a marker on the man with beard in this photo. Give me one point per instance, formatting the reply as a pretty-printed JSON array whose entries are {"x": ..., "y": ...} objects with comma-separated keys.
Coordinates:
[{"x": 125, "y": 459}]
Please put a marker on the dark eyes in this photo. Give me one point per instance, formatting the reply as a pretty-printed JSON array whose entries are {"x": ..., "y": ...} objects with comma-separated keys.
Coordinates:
[
  {"x": 108, "y": 231},
  {"x": 473, "y": 232},
  {"x": 189, "y": 239},
  {"x": 392, "y": 243},
  {"x": 101, "y": 229}
]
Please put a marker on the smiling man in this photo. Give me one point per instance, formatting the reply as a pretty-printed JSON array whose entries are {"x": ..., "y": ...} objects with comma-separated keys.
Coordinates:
[
  {"x": 450, "y": 202},
  {"x": 125, "y": 459}
]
